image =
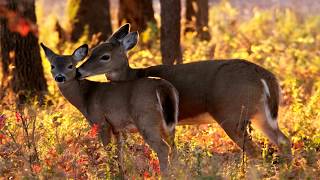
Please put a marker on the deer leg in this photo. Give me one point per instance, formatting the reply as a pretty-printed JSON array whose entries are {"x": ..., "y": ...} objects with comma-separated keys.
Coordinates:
[
  {"x": 105, "y": 135},
  {"x": 173, "y": 148},
  {"x": 271, "y": 129},
  {"x": 239, "y": 135},
  {"x": 284, "y": 145},
  {"x": 120, "y": 159},
  {"x": 152, "y": 136}
]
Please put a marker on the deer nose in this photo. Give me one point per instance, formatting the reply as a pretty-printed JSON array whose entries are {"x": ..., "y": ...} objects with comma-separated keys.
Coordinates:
[
  {"x": 60, "y": 78},
  {"x": 78, "y": 74},
  {"x": 81, "y": 74}
]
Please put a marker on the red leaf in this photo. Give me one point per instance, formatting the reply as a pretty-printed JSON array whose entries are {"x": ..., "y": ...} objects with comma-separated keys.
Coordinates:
[
  {"x": 82, "y": 160},
  {"x": 36, "y": 168},
  {"x": 94, "y": 130},
  {"x": 2, "y": 121},
  {"x": 52, "y": 152},
  {"x": 18, "y": 117},
  {"x": 146, "y": 175},
  {"x": 147, "y": 152},
  {"x": 298, "y": 145},
  {"x": 2, "y": 136},
  {"x": 154, "y": 163},
  {"x": 17, "y": 23},
  {"x": 23, "y": 27},
  {"x": 47, "y": 161}
]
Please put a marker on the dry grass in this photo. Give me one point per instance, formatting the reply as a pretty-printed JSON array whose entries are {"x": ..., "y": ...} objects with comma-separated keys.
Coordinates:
[{"x": 280, "y": 40}]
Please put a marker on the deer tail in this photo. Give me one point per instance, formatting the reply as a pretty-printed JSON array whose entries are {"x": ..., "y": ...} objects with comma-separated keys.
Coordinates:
[
  {"x": 168, "y": 99},
  {"x": 271, "y": 97}
]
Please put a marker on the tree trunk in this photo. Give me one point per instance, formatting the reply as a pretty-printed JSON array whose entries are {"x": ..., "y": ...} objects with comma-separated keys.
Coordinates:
[
  {"x": 198, "y": 11},
  {"x": 5, "y": 45},
  {"x": 136, "y": 12},
  {"x": 91, "y": 14},
  {"x": 5, "y": 60},
  {"x": 170, "y": 31},
  {"x": 202, "y": 20},
  {"x": 190, "y": 15},
  {"x": 22, "y": 51}
]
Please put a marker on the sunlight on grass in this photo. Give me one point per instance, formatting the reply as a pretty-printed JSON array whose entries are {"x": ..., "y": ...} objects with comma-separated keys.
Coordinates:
[{"x": 282, "y": 41}]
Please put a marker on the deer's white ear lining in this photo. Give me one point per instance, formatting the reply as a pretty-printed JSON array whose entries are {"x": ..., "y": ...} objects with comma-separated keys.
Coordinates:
[
  {"x": 80, "y": 53},
  {"x": 130, "y": 40}
]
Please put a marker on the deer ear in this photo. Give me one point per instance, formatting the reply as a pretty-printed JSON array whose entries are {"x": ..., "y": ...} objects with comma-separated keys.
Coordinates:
[
  {"x": 48, "y": 52},
  {"x": 80, "y": 53},
  {"x": 120, "y": 33},
  {"x": 130, "y": 40}
]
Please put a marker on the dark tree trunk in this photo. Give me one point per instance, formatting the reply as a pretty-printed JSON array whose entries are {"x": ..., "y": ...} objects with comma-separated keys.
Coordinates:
[
  {"x": 197, "y": 15},
  {"x": 202, "y": 20},
  {"x": 190, "y": 15},
  {"x": 170, "y": 31},
  {"x": 62, "y": 35},
  {"x": 136, "y": 12},
  {"x": 5, "y": 45},
  {"x": 91, "y": 14},
  {"x": 24, "y": 54}
]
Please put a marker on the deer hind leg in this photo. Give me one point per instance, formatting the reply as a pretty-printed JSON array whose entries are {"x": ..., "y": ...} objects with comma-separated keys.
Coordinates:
[
  {"x": 169, "y": 138},
  {"x": 241, "y": 137},
  {"x": 238, "y": 133},
  {"x": 155, "y": 141},
  {"x": 151, "y": 134},
  {"x": 270, "y": 128}
]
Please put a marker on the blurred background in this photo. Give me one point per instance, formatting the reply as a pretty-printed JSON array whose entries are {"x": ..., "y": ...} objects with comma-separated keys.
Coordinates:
[{"x": 283, "y": 36}]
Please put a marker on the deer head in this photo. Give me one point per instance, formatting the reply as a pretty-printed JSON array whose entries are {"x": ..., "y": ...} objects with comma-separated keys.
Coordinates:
[
  {"x": 110, "y": 57},
  {"x": 63, "y": 67}
]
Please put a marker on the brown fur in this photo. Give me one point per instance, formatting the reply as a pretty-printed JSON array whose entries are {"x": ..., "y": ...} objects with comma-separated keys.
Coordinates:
[
  {"x": 231, "y": 91},
  {"x": 122, "y": 107}
]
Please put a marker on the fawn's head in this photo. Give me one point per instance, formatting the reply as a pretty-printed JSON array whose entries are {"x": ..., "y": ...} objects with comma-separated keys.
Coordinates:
[
  {"x": 111, "y": 55},
  {"x": 63, "y": 67}
]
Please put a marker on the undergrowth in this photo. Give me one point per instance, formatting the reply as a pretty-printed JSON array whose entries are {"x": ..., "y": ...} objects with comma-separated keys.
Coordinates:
[{"x": 56, "y": 141}]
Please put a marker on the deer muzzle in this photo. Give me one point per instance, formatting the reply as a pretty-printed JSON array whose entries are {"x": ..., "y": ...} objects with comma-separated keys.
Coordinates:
[
  {"x": 82, "y": 74},
  {"x": 60, "y": 78}
]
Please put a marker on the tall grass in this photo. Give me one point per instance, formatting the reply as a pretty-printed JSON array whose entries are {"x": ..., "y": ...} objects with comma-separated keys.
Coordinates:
[{"x": 56, "y": 141}]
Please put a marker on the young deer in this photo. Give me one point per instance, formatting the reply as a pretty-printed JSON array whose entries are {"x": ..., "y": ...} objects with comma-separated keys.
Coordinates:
[
  {"x": 233, "y": 92},
  {"x": 147, "y": 105}
]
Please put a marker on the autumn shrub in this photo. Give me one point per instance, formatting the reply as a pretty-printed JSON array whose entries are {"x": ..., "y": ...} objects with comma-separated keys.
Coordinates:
[{"x": 56, "y": 140}]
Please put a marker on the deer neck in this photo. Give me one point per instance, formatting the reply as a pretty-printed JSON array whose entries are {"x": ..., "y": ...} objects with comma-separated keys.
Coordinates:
[
  {"x": 128, "y": 73},
  {"x": 74, "y": 91},
  {"x": 124, "y": 74},
  {"x": 132, "y": 74}
]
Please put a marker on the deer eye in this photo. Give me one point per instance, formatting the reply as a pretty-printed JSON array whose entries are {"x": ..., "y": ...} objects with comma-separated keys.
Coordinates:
[
  {"x": 52, "y": 66},
  {"x": 70, "y": 66},
  {"x": 105, "y": 57}
]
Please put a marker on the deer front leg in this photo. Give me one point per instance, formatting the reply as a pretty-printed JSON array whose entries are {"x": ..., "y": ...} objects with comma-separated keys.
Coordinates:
[
  {"x": 119, "y": 139},
  {"x": 104, "y": 129},
  {"x": 105, "y": 134}
]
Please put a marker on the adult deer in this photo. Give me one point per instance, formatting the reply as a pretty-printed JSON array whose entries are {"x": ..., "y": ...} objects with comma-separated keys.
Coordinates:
[
  {"x": 233, "y": 92},
  {"x": 147, "y": 105}
]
